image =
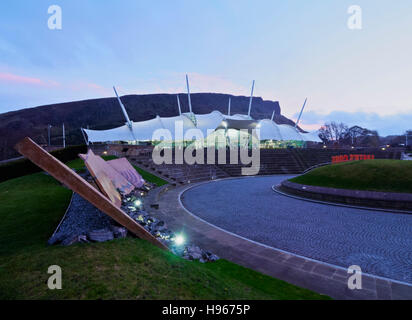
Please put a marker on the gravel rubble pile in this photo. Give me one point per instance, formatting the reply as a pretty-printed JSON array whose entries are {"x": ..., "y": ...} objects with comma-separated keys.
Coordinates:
[{"x": 83, "y": 222}]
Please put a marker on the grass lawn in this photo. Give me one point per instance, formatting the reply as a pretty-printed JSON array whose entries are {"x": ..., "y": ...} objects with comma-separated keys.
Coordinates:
[
  {"x": 150, "y": 177},
  {"x": 373, "y": 175},
  {"x": 30, "y": 209}
]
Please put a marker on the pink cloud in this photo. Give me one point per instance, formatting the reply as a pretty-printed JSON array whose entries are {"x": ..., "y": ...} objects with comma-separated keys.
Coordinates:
[
  {"x": 89, "y": 87},
  {"x": 310, "y": 126},
  {"x": 94, "y": 86},
  {"x": 13, "y": 78}
]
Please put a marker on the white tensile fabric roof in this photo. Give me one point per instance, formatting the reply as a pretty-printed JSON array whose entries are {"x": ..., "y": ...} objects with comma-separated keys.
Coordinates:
[
  {"x": 116, "y": 134},
  {"x": 143, "y": 131},
  {"x": 209, "y": 121},
  {"x": 311, "y": 136},
  {"x": 289, "y": 133},
  {"x": 269, "y": 130}
]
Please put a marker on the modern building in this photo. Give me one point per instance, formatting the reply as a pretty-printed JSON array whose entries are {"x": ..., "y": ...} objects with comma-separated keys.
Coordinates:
[{"x": 204, "y": 129}]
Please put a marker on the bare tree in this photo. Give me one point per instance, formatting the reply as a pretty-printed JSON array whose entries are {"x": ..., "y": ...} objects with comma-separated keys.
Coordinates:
[
  {"x": 354, "y": 134},
  {"x": 333, "y": 132}
]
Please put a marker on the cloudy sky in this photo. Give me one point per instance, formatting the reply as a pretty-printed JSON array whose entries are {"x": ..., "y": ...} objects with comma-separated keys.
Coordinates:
[{"x": 292, "y": 48}]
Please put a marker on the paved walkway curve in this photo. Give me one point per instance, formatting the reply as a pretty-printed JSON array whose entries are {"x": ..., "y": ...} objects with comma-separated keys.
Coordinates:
[
  {"x": 308, "y": 273},
  {"x": 379, "y": 242}
]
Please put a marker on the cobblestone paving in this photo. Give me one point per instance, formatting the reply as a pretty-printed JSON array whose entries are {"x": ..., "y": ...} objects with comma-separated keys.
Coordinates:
[{"x": 379, "y": 242}]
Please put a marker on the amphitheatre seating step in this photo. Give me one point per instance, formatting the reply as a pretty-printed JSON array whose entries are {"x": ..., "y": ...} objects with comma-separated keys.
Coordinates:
[{"x": 272, "y": 161}]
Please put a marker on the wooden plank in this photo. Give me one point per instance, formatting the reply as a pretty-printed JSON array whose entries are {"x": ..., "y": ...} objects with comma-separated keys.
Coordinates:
[
  {"x": 108, "y": 179},
  {"x": 124, "y": 167},
  {"x": 71, "y": 179},
  {"x": 105, "y": 185},
  {"x": 100, "y": 166}
]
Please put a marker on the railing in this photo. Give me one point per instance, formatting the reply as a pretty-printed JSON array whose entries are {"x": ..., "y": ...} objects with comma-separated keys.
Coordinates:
[{"x": 316, "y": 166}]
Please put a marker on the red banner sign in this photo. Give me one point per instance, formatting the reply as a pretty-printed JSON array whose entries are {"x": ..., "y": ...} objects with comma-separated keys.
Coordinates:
[{"x": 352, "y": 157}]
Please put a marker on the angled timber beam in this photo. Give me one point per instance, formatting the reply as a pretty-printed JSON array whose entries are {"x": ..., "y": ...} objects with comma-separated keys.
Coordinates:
[{"x": 69, "y": 178}]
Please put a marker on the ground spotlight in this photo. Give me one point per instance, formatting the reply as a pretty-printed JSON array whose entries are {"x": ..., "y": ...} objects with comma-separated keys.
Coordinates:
[{"x": 138, "y": 203}]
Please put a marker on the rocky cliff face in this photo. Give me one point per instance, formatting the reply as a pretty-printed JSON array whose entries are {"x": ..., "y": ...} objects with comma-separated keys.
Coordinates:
[{"x": 106, "y": 113}]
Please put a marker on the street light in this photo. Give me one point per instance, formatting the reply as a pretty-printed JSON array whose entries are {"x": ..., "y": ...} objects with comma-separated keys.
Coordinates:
[
  {"x": 48, "y": 132},
  {"x": 138, "y": 203},
  {"x": 64, "y": 138},
  {"x": 179, "y": 239}
]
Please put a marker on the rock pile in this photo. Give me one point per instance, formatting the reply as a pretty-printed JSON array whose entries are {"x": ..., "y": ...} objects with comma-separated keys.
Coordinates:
[
  {"x": 195, "y": 253},
  {"x": 85, "y": 223},
  {"x": 80, "y": 218},
  {"x": 159, "y": 229}
]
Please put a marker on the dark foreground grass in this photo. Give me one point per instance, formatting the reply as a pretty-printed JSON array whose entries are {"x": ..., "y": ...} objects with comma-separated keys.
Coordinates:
[
  {"x": 133, "y": 269},
  {"x": 373, "y": 175},
  {"x": 30, "y": 208}
]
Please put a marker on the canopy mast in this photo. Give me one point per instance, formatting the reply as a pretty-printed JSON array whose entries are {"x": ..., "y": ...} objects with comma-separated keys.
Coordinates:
[
  {"x": 228, "y": 108},
  {"x": 300, "y": 114},
  {"x": 251, "y": 97},
  {"x": 273, "y": 115},
  {"x": 64, "y": 138},
  {"x": 178, "y": 104},
  {"x": 84, "y": 136},
  {"x": 128, "y": 122},
  {"x": 188, "y": 94}
]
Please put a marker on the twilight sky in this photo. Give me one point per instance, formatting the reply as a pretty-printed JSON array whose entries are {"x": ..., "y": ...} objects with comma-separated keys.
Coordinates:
[{"x": 292, "y": 48}]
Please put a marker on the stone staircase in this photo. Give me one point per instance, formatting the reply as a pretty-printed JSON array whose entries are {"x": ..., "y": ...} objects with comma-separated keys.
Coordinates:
[
  {"x": 179, "y": 173},
  {"x": 272, "y": 161}
]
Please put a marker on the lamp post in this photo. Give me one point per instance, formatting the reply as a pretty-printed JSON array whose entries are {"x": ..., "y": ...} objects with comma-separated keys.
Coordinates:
[
  {"x": 64, "y": 138},
  {"x": 48, "y": 132}
]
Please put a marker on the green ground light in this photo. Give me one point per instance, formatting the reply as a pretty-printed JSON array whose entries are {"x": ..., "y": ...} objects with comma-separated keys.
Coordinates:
[{"x": 30, "y": 209}]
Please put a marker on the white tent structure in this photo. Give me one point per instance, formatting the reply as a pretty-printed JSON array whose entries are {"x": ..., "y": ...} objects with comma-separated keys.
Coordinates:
[
  {"x": 143, "y": 131},
  {"x": 178, "y": 128},
  {"x": 269, "y": 130}
]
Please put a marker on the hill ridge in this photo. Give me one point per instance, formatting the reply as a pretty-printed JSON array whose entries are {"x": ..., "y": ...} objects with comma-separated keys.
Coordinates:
[{"x": 104, "y": 113}]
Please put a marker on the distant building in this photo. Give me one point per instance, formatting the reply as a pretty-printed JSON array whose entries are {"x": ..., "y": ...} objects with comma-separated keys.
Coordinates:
[{"x": 215, "y": 128}]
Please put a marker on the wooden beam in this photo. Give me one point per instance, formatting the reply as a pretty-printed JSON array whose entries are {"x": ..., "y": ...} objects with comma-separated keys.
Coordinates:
[{"x": 71, "y": 179}]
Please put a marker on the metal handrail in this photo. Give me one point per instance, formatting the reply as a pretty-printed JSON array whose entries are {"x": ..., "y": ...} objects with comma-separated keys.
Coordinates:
[{"x": 316, "y": 166}]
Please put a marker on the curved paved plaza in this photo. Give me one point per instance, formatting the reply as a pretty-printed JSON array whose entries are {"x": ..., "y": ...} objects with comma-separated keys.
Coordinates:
[{"x": 379, "y": 242}]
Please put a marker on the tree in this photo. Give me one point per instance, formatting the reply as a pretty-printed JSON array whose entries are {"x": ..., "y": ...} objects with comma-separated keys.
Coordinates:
[
  {"x": 333, "y": 132},
  {"x": 358, "y": 136}
]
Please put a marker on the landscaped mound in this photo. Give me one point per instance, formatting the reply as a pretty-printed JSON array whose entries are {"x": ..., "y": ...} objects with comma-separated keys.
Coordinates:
[{"x": 372, "y": 175}]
